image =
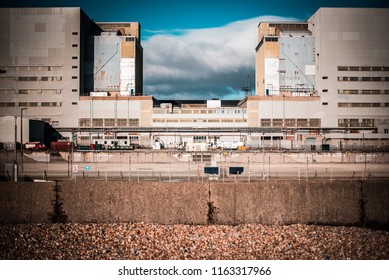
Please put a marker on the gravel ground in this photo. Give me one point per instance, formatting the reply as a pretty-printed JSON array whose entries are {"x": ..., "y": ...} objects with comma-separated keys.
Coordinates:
[{"x": 151, "y": 241}]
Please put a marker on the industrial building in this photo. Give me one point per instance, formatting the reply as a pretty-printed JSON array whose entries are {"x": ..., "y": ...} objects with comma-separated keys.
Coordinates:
[
  {"x": 50, "y": 57},
  {"x": 320, "y": 82}
]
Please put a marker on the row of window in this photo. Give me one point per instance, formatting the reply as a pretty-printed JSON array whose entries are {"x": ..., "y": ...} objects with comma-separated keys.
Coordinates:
[
  {"x": 34, "y": 78},
  {"x": 30, "y": 104},
  {"x": 32, "y": 91},
  {"x": 43, "y": 78},
  {"x": 31, "y": 68},
  {"x": 363, "y": 79},
  {"x": 119, "y": 137},
  {"x": 290, "y": 122},
  {"x": 362, "y": 105},
  {"x": 109, "y": 122},
  {"x": 197, "y": 120},
  {"x": 363, "y": 91},
  {"x": 200, "y": 111},
  {"x": 355, "y": 123},
  {"x": 363, "y": 68}
]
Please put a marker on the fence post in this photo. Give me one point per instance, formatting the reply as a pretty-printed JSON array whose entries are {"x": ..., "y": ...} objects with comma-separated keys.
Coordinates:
[
  {"x": 331, "y": 175},
  {"x": 106, "y": 175},
  {"x": 298, "y": 174}
]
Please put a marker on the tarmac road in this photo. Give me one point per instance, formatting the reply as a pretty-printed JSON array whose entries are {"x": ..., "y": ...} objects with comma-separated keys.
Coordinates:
[{"x": 160, "y": 166}]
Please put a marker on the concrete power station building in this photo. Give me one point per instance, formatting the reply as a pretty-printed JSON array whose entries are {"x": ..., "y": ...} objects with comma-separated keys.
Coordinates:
[{"x": 320, "y": 81}]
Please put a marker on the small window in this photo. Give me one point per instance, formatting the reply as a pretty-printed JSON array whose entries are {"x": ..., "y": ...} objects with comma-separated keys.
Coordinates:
[
  {"x": 74, "y": 57},
  {"x": 74, "y": 103},
  {"x": 74, "y": 67},
  {"x": 325, "y": 90},
  {"x": 342, "y": 68},
  {"x": 325, "y": 103},
  {"x": 74, "y": 33},
  {"x": 74, "y": 77},
  {"x": 325, "y": 77},
  {"x": 386, "y": 130},
  {"x": 74, "y": 45}
]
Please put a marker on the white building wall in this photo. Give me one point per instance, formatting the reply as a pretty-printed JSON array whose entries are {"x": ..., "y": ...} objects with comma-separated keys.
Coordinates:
[
  {"x": 109, "y": 109},
  {"x": 41, "y": 44},
  {"x": 7, "y": 134},
  {"x": 350, "y": 37},
  {"x": 127, "y": 76}
]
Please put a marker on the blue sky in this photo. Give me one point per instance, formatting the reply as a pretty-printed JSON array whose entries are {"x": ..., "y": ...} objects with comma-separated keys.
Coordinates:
[{"x": 198, "y": 49}]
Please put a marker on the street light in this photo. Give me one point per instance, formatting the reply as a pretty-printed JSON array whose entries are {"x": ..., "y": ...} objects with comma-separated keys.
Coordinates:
[
  {"x": 15, "y": 154},
  {"x": 21, "y": 137}
]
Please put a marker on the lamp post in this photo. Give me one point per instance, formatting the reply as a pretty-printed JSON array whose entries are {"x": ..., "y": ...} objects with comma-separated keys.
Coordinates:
[
  {"x": 21, "y": 138},
  {"x": 15, "y": 170}
]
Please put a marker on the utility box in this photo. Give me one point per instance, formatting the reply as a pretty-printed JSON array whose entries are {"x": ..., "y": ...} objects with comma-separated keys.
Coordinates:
[
  {"x": 211, "y": 170},
  {"x": 236, "y": 170}
]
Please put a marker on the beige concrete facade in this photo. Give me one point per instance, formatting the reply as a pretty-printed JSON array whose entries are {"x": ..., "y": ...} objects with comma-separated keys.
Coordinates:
[{"x": 349, "y": 72}]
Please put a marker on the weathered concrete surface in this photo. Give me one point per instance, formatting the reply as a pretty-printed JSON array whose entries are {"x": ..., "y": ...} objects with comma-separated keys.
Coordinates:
[{"x": 274, "y": 202}]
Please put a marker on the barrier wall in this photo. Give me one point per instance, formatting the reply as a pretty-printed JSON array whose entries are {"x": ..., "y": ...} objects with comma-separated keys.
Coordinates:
[{"x": 273, "y": 202}]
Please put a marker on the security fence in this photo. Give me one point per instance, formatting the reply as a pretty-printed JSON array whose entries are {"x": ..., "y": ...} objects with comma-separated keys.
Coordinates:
[{"x": 151, "y": 165}]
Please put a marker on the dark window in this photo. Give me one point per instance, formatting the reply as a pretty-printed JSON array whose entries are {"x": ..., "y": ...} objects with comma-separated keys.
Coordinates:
[
  {"x": 74, "y": 33},
  {"x": 74, "y": 57},
  {"x": 325, "y": 90},
  {"x": 74, "y": 45},
  {"x": 325, "y": 103},
  {"x": 74, "y": 103},
  {"x": 74, "y": 67},
  {"x": 342, "y": 68},
  {"x": 325, "y": 77},
  {"x": 271, "y": 39},
  {"x": 74, "y": 90}
]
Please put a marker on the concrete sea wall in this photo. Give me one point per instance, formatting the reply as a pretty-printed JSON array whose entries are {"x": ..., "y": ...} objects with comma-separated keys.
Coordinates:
[{"x": 273, "y": 202}]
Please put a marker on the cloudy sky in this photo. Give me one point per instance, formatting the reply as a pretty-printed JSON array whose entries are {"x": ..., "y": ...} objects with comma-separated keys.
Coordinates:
[{"x": 198, "y": 49}]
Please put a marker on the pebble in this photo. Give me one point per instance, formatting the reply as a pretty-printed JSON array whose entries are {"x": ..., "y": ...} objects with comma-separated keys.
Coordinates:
[{"x": 144, "y": 241}]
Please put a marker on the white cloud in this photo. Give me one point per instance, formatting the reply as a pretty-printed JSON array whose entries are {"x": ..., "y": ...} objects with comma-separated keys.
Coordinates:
[{"x": 202, "y": 63}]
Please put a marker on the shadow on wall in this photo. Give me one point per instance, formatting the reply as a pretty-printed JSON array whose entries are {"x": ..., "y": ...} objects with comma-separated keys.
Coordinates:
[{"x": 358, "y": 203}]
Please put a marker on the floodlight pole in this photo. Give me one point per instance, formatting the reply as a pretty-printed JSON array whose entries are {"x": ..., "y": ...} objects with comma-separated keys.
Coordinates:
[
  {"x": 21, "y": 138},
  {"x": 15, "y": 167}
]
